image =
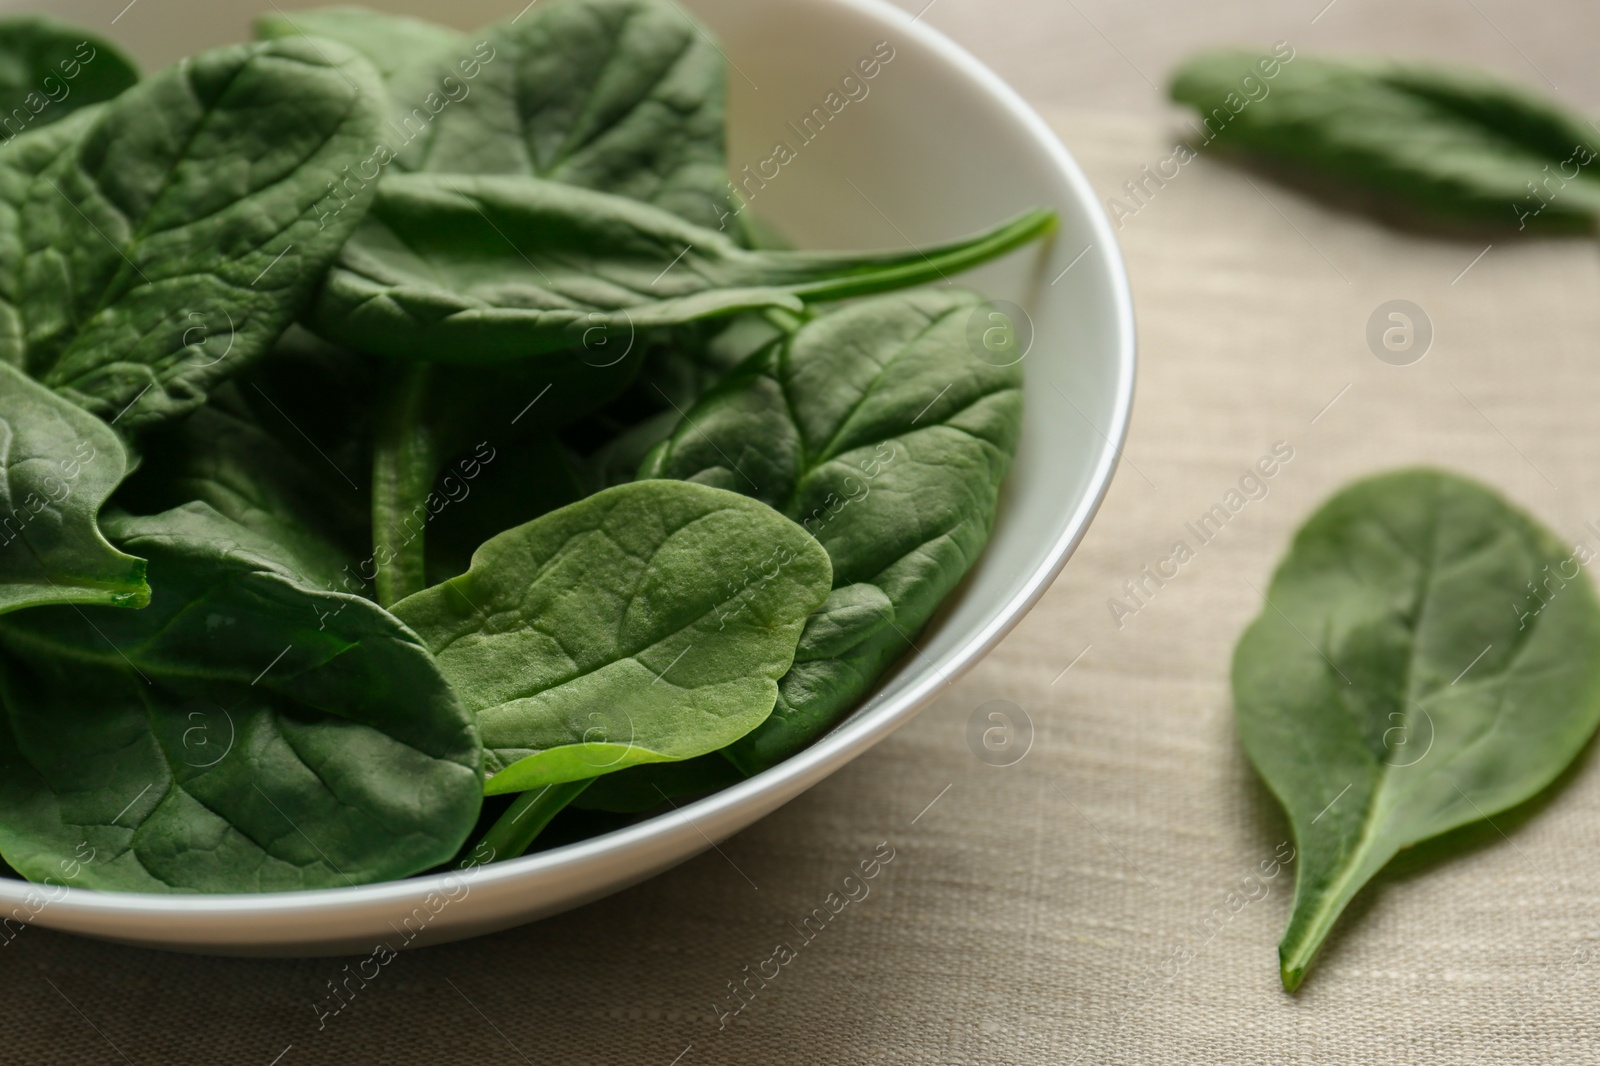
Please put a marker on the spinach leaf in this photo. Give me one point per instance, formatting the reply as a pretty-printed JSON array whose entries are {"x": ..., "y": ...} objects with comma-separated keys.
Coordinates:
[
  {"x": 1443, "y": 142},
  {"x": 245, "y": 474},
  {"x": 880, "y": 431},
  {"x": 406, "y": 52},
  {"x": 524, "y": 481},
  {"x": 313, "y": 398},
  {"x": 58, "y": 465},
  {"x": 430, "y": 413},
  {"x": 676, "y": 372},
  {"x": 847, "y": 618},
  {"x": 619, "y": 96},
  {"x": 647, "y": 623},
  {"x": 135, "y": 233},
  {"x": 464, "y": 269},
  {"x": 617, "y": 461},
  {"x": 1428, "y": 657},
  {"x": 248, "y": 731},
  {"x": 49, "y": 70}
]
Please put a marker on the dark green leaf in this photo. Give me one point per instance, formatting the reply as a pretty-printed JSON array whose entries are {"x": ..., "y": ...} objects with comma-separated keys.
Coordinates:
[
  {"x": 1439, "y": 141},
  {"x": 153, "y": 246},
  {"x": 1429, "y": 656},
  {"x": 248, "y": 731},
  {"x": 524, "y": 481},
  {"x": 882, "y": 433},
  {"x": 313, "y": 399},
  {"x": 462, "y": 269},
  {"x": 648, "y": 623},
  {"x": 48, "y": 70},
  {"x": 621, "y": 96},
  {"x": 847, "y": 619},
  {"x": 617, "y": 461},
  {"x": 432, "y": 413},
  {"x": 246, "y": 475},
  {"x": 58, "y": 465},
  {"x": 679, "y": 369}
]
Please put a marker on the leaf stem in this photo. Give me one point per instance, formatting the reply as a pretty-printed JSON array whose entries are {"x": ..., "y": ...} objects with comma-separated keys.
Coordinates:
[
  {"x": 864, "y": 276},
  {"x": 405, "y": 461},
  {"x": 784, "y": 319},
  {"x": 527, "y": 816}
]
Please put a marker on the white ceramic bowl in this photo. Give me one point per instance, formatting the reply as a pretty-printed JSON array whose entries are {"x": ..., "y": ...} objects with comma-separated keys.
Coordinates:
[{"x": 938, "y": 148}]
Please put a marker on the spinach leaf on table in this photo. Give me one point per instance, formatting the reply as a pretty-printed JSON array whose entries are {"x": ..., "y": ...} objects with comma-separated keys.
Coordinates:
[
  {"x": 1443, "y": 142},
  {"x": 135, "y": 234},
  {"x": 467, "y": 269},
  {"x": 885, "y": 436},
  {"x": 1429, "y": 656},
  {"x": 248, "y": 731},
  {"x": 49, "y": 70},
  {"x": 650, "y": 622},
  {"x": 58, "y": 465}
]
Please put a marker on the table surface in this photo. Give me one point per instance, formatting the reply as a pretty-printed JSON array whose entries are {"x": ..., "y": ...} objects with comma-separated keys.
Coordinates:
[{"x": 1032, "y": 913}]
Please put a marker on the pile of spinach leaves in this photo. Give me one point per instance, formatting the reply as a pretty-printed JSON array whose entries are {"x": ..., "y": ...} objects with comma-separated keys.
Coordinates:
[{"x": 389, "y": 419}]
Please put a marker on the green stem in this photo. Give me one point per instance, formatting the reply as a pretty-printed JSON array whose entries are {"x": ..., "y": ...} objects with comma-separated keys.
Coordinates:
[
  {"x": 405, "y": 462},
  {"x": 784, "y": 319},
  {"x": 526, "y": 818},
  {"x": 862, "y": 276}
]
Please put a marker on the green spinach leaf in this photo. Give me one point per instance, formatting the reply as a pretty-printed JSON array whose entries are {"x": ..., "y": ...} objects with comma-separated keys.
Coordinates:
[
  {"x": 1442, "y": 142},
  {"x": 248, "y": 731},
  {"x": 464, "y": 269},
  {"x": 49, "y": 70},
  {"x": 882, "y": 432},
  {"x": 313, "y": 399},
  {"x": 647, "y": 623},
  {"x": 412, "y": 56},
  {"x": 1429, "y": 656},
  {"x": 136, "y": 233},
  {"x": 675, "y": 373},
  {"x": 245, "y": 474},
  {"x": 620, "y": 96},
  {"x": 617, "y": 461},
  {"x": 58, "y": 465},
  {"x": 526, "y": 480},
  {"x": 431, "y": 413}
]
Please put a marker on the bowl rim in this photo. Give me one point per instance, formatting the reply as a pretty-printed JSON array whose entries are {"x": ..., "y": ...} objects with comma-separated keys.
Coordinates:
[{"x": 844, "y": 742}]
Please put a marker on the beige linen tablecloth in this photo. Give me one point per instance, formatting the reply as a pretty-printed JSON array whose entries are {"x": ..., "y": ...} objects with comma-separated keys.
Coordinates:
[{"x": 1115, "y": 895}]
